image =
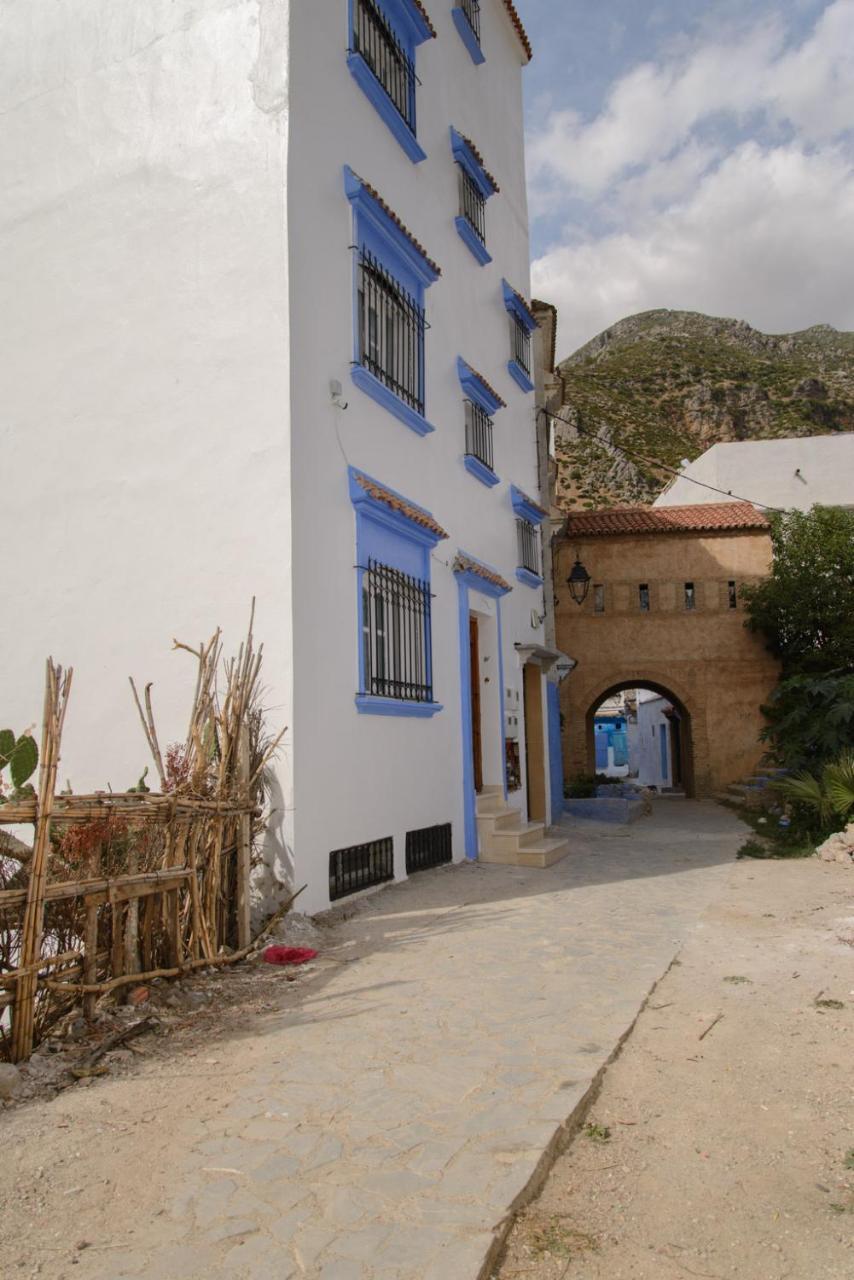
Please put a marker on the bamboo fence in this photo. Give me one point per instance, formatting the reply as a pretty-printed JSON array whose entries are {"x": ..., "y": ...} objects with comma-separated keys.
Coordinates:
[{"x": 121, "y": 888}]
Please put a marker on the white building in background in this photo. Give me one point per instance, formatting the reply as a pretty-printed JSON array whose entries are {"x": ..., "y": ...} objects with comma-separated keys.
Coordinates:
[
  {"x": 651, "y": 745},
  {"x": 266, "y": 268},
  {"x": 795, "y": 472}
]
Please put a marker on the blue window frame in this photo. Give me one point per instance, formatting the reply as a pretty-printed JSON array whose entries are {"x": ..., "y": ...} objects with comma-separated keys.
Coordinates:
[
  {"x": 529, "y": 516},
  {"x": 476, "y": 185},
  {"x": 391, "y": 272},
  {"x": 522, "y": 325},
  {"x": 381, "y": 57},
  {"x": 480, "y": 403},
  {"x": 394, "y": 539},
  {"x": 466, "y": 16}
]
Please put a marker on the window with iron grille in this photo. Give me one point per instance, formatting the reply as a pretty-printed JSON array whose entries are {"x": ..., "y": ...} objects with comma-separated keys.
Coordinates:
[
  {"x": 360, "y": 866},
  {"x": 428, "y": 847},
  {"x": 520, "y": 344},
  {"x": 396, "y": 638},
  {"x": 643, "y": 597},
  {"x": 478, "y": 433},
  {"x": 471, "y": 12},
  {"x": 732, "y": 595},
  {"x": 472, "y": 204},
  {"x": 391, "y": 332},
  {"x": 375, "y": 40},
  {"x": 529, "y": 546}
]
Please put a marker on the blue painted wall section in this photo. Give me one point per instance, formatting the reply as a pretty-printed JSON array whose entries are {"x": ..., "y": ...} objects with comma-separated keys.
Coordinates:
[
  {"x": 394, "y": 539},
  {"x": 468, "y": 36},
  {"x": 409, "y": 26},
  {"x": 377, "y": 232},
  {"x": 515, "y": 308},
  {"x": 476, "y": 390},
  {"x": 467, "y": 580},
  {"x": 555, "y": 750}
]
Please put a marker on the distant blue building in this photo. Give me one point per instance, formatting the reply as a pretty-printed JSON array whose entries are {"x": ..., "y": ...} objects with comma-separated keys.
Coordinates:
[{"x": 610, "y": 731}]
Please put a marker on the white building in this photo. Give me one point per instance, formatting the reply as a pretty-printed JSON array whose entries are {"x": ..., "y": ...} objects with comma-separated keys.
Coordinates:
[
  {"x": 796, "y": 472},
  {"x": 651, "y": 741},
  {"x": 264, "y": 299}
]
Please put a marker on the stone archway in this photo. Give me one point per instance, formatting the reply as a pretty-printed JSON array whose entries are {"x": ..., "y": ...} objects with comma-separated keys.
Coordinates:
[
  {"x": 685, "y": 734},
  {"x": 580, "y": 700}
]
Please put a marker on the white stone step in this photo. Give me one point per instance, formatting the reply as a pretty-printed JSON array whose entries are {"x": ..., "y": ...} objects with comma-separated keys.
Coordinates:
[{"x": 539, "y": 853}]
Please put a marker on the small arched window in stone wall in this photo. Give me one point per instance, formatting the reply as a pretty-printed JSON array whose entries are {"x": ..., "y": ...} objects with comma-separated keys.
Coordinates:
[{"x": 690, "y": 596}]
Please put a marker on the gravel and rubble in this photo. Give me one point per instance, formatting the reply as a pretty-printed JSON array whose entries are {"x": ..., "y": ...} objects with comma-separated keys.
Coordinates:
[{"x": 839, "y": 847}]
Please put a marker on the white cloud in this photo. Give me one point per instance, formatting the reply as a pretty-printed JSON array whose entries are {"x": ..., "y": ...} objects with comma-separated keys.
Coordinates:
[
  {"x": 766, "y": 237},
  {"x": 692, "y": 212}
]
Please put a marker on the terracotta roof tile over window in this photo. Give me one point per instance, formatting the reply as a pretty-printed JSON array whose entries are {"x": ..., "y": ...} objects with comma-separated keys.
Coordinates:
[
  {"x": 479, "y": 158},
  {"x": 425, "y": 15},
  {"x": 488, "y": 386},
  {"x": 375, "y": 195},
  {"x": 465, "y": 564},
  {"x": 526, "y": 306},
  {"x": 532, "y": 503},
  {"x": 710, "y": 517},
  {"x": 416, "y": 514},
  {"x": 520, "y": 30}
]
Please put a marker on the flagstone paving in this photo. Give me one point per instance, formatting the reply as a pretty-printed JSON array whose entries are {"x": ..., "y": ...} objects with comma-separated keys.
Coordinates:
[{"x": 382, "y": 1118}]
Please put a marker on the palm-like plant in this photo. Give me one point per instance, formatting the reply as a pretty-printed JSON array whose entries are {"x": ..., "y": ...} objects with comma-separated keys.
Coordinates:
[{"x": 828, "y": 795}]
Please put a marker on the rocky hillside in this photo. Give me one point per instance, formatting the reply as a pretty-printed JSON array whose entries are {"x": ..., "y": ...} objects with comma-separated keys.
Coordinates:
[{"x": 668, "y": 384}]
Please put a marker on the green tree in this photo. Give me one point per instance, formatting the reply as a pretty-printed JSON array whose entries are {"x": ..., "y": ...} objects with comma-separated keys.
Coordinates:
[{"x": 805, "y": 609}]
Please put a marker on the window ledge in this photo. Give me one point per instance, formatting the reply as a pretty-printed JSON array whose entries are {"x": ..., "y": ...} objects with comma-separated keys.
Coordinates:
[
  {"x": 369, "y": 704},
  {"x": 530, "y": 579},
  {"x": 373, "y": 90},
  {"x": 519, "y": 376},
  {"x": 383, "y": 395},
  {"x": 468, "y": 37},
  {"x": 472, "y": 241},
  {"x": 480, "y": 470}
]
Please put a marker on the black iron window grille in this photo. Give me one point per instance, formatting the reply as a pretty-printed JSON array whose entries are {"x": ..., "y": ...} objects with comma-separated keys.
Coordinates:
[
  {"x": 520, "y": 343},
  {"x": 374, "y": 39},
  {"x": 472, "y": 204},
  {"x": 396, "y": 634},
  {"x": 360, "y": 866},
  {"x": 391, "y": 332},
  {"x": 529, "y": 547},
  {"x": 732, "y": 595},
  {"x": 478, "y": 434},
  {"x": 428, "y": 847},
  {"x": 471, "y": 9},
  {"x": 643, "y": 597},
  {"x": 690, "y": 596}
]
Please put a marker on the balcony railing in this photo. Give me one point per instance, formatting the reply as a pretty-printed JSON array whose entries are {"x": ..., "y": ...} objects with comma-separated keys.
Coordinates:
[
  {"x": 396, "y": 634},
  {"x": 529, "y": 547},
  {"x": 374, "y": 39},
  {"x": 520, "y": 344},
  {"x": 478, "y": 434},
  {"x": 391, "y": 332},
  {"x": 471, "y": 9},
  {"x": 472, "y": 205}
]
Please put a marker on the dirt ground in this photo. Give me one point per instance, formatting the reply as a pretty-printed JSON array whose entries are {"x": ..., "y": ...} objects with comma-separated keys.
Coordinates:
[{"x": 722, "y": 1141}]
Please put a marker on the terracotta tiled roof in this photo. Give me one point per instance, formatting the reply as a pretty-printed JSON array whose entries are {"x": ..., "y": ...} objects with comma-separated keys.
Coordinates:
[
  {"x": 375, "y": 195},
  {"x": 520, "y": 30},
  {"x": 526, "y": 306},
  {"x": 416, "y": 514},
  {"x": 707, "y": 517},
  {"x": 424, "y": 14},
  {"x": 465, "y": 564},
  {"x": 479, "y": 158},
  {"x": 488, "y": 386}
]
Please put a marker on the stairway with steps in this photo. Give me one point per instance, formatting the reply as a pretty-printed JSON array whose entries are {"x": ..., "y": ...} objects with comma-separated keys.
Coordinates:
[
  {"x": 751, "y": 788},
  {"x": 504, "y": 838}
]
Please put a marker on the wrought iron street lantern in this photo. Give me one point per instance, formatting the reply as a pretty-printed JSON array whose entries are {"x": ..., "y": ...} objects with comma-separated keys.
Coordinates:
[{"x": 578, "y": 581}]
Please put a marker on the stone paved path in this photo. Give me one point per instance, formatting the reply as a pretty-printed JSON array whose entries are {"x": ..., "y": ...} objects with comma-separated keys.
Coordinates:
[{"x": 379, "y": 1122}]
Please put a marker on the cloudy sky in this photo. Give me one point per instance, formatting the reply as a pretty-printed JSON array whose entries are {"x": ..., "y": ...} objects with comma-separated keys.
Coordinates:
[{"x": 694, "y": 154}]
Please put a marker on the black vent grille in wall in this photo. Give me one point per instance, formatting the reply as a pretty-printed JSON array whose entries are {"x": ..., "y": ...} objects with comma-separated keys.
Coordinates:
[
  {"x": 360, "y": 866},
  {"x": 428, "y": 847}
]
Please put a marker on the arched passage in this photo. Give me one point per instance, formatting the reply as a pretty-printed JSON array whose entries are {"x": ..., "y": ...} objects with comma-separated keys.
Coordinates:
[{"x": 680, "y": 739}]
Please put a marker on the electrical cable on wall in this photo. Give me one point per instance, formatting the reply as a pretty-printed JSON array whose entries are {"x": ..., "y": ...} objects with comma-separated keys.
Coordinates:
[{"x": 652, "y": 462}]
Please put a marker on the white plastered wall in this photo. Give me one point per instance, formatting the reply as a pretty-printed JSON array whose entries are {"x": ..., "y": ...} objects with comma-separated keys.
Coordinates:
[
  {"x": 144, "y": 430},
  {"x": 359, "y": 778}
]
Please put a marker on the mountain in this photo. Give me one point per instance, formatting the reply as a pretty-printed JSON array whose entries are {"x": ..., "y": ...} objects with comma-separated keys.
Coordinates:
[{"x": 669, "y": 384}]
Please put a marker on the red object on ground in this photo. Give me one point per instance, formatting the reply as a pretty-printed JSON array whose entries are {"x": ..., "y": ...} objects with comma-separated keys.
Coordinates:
[{"x": 288, "y": 955}]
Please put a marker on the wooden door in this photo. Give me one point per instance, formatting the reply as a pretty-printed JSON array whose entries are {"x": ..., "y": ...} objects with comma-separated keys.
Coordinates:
[
  {"x": 474, "y": 666},
  {"x": 535, "y": 759}
]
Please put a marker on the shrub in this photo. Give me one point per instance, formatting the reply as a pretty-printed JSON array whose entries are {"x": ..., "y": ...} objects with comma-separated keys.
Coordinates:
[{"x": 810, "y": 719}]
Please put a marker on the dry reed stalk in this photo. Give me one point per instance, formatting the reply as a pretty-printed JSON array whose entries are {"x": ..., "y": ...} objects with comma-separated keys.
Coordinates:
[{"x": 57, "y": 688}]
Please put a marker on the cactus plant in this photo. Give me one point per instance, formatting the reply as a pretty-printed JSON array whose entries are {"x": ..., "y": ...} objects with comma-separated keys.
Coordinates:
[{"x": 21, "y": 755}]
